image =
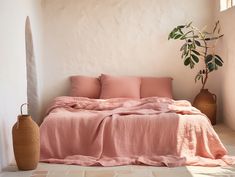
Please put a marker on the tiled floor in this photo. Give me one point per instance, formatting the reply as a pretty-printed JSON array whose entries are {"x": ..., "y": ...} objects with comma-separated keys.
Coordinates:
[{"x": 54, "y": 170}]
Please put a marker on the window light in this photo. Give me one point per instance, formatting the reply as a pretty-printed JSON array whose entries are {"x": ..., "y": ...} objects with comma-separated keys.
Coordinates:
[{"x": 225, "y": 4}]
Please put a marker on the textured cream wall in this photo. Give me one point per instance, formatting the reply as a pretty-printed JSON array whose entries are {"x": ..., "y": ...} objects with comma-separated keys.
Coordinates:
[
  {"x": 227, "y": 50},
  {"x": 117, "y": 37},
  {"x": 13, "y": 88},
  {"x": 107, "y": 36}
]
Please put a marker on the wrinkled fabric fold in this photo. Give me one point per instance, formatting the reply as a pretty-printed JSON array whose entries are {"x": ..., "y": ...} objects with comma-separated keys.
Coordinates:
[{"x": 151, "y": 131}]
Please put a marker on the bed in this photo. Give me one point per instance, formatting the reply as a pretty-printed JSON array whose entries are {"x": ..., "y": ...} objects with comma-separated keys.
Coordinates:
[{"x": 152, "y": 130}]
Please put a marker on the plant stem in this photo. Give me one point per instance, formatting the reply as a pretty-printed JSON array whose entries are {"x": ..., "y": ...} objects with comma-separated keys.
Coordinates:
[
  {"x": 204, "y": 83},
  {"x": 214, "y": 38},
  {"x": 206, "y": 77},
  {"x": 205, "y": 46},
  {"x": 190, "y": 37}
]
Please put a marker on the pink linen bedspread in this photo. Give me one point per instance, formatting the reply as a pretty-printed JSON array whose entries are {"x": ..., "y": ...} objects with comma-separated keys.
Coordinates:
[{"x": 151, "y": 131}]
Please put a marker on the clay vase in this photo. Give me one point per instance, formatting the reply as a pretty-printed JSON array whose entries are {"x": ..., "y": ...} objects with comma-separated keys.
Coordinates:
[
  {"x": 26, "y": 147},
  {"x": 206, "y": 103}
]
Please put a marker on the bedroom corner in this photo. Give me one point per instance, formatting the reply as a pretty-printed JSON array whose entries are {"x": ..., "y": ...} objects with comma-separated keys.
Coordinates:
[
  {"x": 13, "y": 66},
  {"x": 226, "y": 49}
]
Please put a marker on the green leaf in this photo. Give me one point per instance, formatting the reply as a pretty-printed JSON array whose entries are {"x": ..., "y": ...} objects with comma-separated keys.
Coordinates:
[
  {"x": 187, "y": 52},
  {"x": 218, "y": 62},
  {"x": 219, "y": 58},
  {"x": 182, "y": 56},
  {"x": 214, "y": 63},
  {"x": 187, "y": 61},
  {"x": 169, "y": 36},
  {"x": 189, "y": 40},
  {"x": 208, "y": 58},
  {"x": 193, "y": 46},
  {"x": 172, "y": 33},
  {"x": 184, "y": 52},
  {"x": 197, "y": 43},
  {"x": 180, "y": 26},
  {"x": 189, "y": 24},
  {"x": 210, "y": 66},
  {"x": 192, "y": 64},
  {"x": 190, "y": 46},
  {"x": 195, "y": 58},
  {"x": 175, "y": 30},
  {"x": 177, "y": 36},
  {"x": 199, "y": 76},
  {"x": 196, "y": 52},
  {"x": 181, "y": 32},
  {"x": 183, "y": 47}
]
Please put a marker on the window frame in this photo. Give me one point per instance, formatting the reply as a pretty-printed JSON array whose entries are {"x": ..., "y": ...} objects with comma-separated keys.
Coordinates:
[
  {"x": 226, "y": 4},
  {"x": 229, "y": 3}
]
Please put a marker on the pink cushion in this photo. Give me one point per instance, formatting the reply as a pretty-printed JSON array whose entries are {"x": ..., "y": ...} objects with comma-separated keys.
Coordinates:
[
  {"x": 85, "y": 86},
  {"x": 154, "y": 86},
  {"x": 119, "y": 87}
]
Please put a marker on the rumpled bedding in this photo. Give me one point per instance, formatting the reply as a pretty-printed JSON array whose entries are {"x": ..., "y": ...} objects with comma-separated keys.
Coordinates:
[{"x": 150, "y": 131}]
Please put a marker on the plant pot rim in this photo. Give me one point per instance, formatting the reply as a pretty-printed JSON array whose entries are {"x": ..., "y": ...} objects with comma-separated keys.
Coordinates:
[
  {"x": 24, "y": 115},
  {"x": 204, "y": 89}
]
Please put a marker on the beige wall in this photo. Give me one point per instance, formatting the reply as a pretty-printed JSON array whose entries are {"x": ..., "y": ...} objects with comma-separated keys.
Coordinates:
[
  {"x": 227, "y": 50},
  {"x": 13, "y": 88},
  {"x": 118, "y": 37}
]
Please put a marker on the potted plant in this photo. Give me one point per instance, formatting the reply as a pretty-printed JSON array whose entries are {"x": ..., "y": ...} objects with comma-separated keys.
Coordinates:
[{"x": 199, "y": 45}]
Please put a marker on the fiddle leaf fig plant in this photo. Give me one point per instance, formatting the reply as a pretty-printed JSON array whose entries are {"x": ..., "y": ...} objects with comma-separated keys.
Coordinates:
[{"x": 199, "y": 45}]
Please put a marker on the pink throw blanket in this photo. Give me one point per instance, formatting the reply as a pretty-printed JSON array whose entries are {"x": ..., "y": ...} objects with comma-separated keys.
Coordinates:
[{"x": 152, "y": 131}]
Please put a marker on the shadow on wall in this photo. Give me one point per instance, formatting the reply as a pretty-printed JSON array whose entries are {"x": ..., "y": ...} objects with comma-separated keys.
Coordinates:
[
  {"x": 4, "y": 145},
  {"x": 1, "y": 152},
  {"x": 54, "y": 91}
]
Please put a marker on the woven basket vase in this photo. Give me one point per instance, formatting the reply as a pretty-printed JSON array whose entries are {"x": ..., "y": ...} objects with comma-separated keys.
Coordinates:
[
  {"x": 206, "y": 103},
  {"x": 25, "y": 134}
]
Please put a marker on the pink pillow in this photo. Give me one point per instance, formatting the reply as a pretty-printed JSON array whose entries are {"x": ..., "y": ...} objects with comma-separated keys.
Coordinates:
[
  {"x": 156, "y": 86},
  {"x": 119, "y": 86},
  {"x": 85, "y": 86}
]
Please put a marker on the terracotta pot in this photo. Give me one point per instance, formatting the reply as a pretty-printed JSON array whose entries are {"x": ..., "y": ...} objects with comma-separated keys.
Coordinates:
[
  {"x": 206, "y": 103},
  {"x": 25, "y": 134}
]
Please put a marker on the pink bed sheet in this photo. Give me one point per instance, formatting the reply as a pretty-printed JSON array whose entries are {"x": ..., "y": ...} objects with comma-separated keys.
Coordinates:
[{"x": 151, "y": 131}]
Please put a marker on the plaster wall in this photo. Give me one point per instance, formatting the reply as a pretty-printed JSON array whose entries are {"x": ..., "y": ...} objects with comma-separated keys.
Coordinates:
[
  {"x": 13, "y": 87},
  {"x": 226, "y": 49},
  {"x": 118, "y": 37}
]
